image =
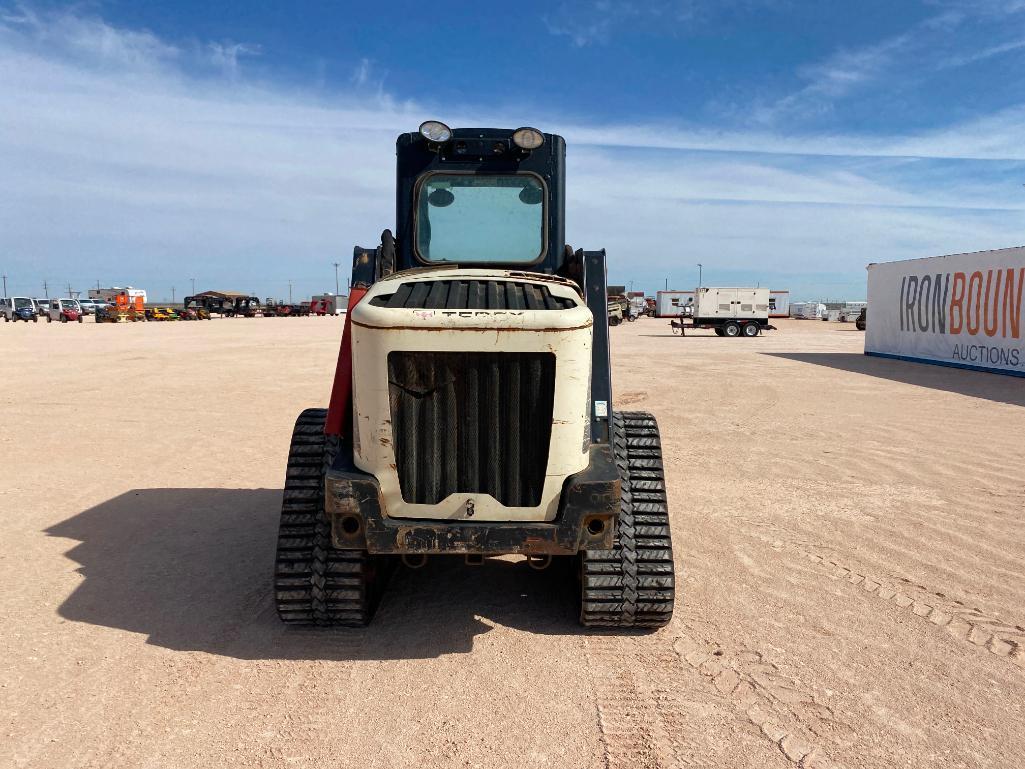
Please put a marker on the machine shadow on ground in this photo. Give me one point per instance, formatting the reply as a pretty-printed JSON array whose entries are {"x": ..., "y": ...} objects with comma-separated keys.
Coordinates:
[
  {"x": 976, "y": 384},
  {"x": 191, "y": 569}
]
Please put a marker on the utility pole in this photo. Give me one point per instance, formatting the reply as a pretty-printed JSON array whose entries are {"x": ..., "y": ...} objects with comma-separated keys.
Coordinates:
[
  {"x": 70, "y": 292},
  {"x": 667, "y": 284},
  {"x": 289, "y": 292},
  {"x": 46, "y": 290},
  {"x": 699, "y": 275},
  {"x": 336, "y": 278},
  {"x": 97, "y": 285},
  {"x": 193, "y": 286},
  {"x": 5, "y": 285},
  {"x": 172, "y": 294}
]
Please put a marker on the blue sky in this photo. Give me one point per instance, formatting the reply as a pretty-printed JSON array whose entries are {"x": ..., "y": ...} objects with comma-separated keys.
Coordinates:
[{"x": 251, "y": 144}]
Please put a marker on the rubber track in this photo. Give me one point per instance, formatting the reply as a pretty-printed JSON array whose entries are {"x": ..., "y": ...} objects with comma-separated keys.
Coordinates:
[
  {"x": 315, "y": 584},
  {"x": 633, "y": 585}
]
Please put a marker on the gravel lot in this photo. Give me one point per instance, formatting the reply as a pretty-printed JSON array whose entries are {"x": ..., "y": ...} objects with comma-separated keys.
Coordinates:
[{"x": 849, "y": 533}]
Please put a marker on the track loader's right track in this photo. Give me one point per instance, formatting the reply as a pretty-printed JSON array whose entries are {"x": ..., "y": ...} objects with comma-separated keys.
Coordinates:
[
  {"x": 633, "y": 585},
  {"x": 315, "y": 584}
]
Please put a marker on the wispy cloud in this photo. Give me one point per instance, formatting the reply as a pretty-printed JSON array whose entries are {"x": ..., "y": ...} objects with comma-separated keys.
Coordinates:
[
  {"x": 939, "y": 42},
  {"x": 226, "y": 56},
  {"x": 170, "y": 165},
  {"x": 587, "y": 23},
  {"x": 594, "y": 22}
]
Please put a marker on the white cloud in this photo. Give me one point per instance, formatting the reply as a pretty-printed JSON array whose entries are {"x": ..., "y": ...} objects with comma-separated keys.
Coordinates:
[
  {"x": 946, "y": 40},
  {"x": 225, "y": 56},
  {"x": 361, "y": 75},
  {"x": 588, "y": 24},
  {"x": 148, "y": 173}
]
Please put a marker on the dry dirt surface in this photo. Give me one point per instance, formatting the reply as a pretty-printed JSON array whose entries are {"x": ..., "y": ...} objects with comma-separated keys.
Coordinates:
[{"x": 849, "y": 540}]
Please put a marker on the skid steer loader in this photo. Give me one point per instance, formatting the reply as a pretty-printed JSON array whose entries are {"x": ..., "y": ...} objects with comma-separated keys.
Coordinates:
[{"x": 471, "y": 412}]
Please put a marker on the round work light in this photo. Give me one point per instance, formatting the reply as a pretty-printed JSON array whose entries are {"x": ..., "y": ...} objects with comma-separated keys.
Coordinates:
[
  {"x": 528, "y": 138},
  {"x": 435, "y": 131}
]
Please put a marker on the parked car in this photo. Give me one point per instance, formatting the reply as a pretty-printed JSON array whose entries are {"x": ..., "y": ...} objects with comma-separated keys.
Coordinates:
[
  {"x": 20, "y": 308},
  {"x": 64, "y": 310},
  {"x": 89, "y": 306}
]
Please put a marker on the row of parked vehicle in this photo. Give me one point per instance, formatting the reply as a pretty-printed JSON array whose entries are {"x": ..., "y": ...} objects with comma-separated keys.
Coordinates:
[
  {"x": 25, "y": 308},
  {"x": 30, "y": 309}
]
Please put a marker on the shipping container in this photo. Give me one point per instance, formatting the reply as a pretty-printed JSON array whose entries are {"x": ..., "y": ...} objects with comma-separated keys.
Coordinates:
[{"x": 962, "y": 310}]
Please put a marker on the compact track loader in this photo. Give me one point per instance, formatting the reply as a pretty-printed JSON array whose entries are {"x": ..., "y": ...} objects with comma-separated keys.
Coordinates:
[{"x": 471, "y": 412}]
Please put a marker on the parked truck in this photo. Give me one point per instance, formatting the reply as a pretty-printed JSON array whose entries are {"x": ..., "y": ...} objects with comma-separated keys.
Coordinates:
[{"x": 727, "y": 311}]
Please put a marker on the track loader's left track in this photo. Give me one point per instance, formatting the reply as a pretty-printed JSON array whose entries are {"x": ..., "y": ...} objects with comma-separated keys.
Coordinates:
[{"x": 315, "y": 584}]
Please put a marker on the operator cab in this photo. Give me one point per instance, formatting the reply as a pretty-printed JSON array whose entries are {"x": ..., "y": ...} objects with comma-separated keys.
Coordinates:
[{"x": 480, "y": 198}]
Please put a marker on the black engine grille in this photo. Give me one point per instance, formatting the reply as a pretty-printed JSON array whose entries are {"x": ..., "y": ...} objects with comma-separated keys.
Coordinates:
[
  {"x": 473, "y": 295},
  {"x": 471, "y": 422}
]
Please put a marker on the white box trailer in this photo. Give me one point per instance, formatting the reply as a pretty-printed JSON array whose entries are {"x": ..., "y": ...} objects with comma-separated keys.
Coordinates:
[
  {"x": 111, "y": 294},
  {"x": 843, "y": 312},
  {"x": 728, "y": 311},
  {"x": 807, "y": 310},
  {"x": 334, "y": 304},
  {"x": 670, "y": 304},
  {"x": 779, "y": 303},
  {"x": 962, "y": 310}
]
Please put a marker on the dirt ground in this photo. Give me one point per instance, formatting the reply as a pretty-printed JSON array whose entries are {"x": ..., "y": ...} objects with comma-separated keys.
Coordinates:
[{"x": 849, "y": 535}]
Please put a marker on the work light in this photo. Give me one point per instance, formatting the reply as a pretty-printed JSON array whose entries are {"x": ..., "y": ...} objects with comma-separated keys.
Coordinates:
[
  {"x": 528, "y": 138},
  {"x": 435, "y": 131}
]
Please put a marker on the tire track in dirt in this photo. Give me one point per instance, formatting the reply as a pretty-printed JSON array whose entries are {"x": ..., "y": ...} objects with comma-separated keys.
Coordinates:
[
  {"x": 966, "y": 623},
  {"x": 640, "y": 721},
  {"x": 785, "y": 713},
  {"x": 963, "y": 621}
]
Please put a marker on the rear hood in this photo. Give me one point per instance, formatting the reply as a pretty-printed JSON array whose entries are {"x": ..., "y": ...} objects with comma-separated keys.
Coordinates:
[{"x": 467, "y": 299}]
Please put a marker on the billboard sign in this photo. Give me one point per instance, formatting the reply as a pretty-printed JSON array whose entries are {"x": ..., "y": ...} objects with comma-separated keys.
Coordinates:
[{"x": 964, "y": 310}]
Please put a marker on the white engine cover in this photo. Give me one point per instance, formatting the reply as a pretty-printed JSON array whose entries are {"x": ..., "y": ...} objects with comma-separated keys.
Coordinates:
[{"x": 377, "y": 331}]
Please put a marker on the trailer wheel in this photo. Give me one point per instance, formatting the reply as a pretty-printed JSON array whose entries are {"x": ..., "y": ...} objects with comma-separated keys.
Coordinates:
[
  {"x": 751, "y": 329},
  {"x": 633, "y": 584},
  {"x": 315, "y": 584}
]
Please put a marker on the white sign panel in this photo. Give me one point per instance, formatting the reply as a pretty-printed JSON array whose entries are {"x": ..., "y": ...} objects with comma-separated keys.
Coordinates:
[{"x": 965, "y": 310}]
